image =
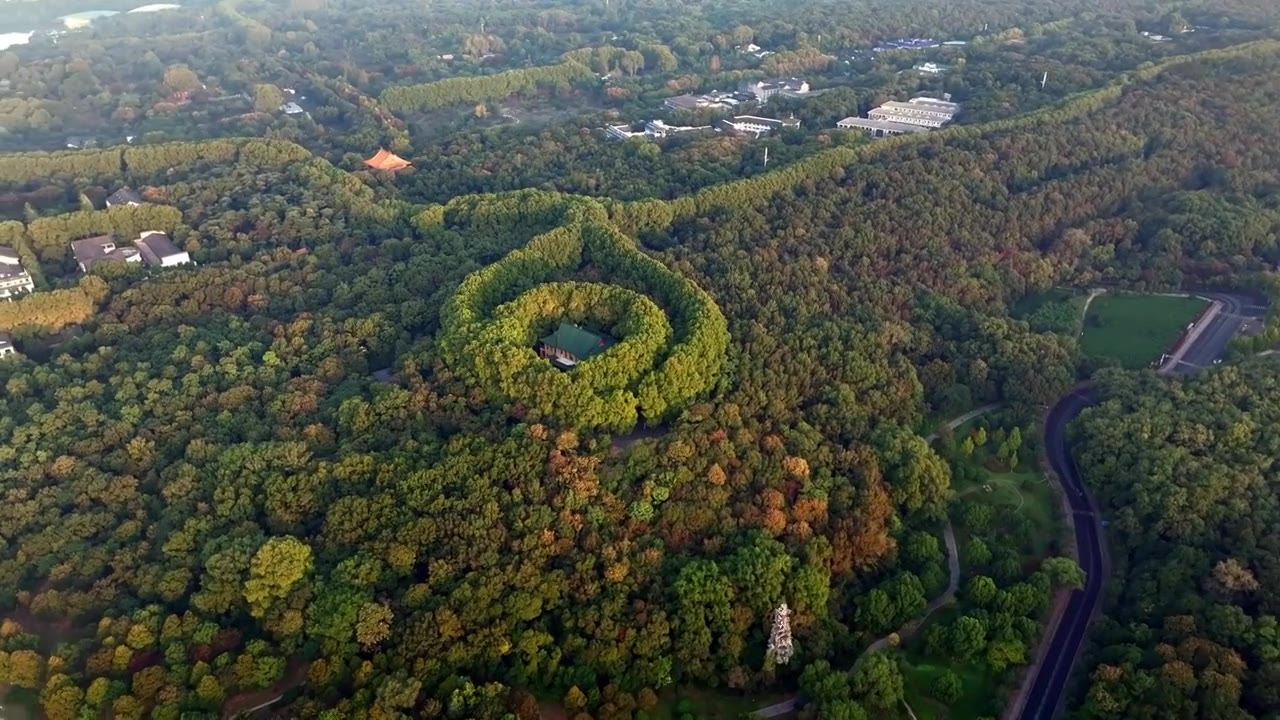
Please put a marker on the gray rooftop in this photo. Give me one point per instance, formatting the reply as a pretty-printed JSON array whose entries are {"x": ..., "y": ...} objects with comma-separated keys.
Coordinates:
[
  {"x": 158, "y": 243},
  {"x": 9, "y": 256},
  {"x": 874, "y": 124},
  {"x": 93, "y": 250},
  {"x": 919, "y": 107}
]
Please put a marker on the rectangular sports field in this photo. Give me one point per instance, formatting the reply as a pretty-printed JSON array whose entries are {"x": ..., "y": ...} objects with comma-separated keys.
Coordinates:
[{"x": 1135, "y": 329}]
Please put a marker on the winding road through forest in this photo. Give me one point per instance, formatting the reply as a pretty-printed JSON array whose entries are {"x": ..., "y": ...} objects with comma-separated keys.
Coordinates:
[{"x": 1204, "y": 345}]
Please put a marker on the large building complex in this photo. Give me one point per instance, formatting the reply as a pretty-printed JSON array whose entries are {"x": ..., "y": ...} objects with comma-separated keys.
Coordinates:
[
  {"x": 899, "y": 118},
  {"x": 919, "y": 111}
]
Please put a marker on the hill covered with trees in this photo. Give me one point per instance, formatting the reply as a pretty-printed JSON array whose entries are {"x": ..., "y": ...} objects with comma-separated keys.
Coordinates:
[{"x": 211, "y": 497}]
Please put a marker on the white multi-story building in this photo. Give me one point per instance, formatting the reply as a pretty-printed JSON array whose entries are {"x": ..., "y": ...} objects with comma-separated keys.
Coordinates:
[
  {"x": 754, "y": 125},
  {"x": 14, "y": 280},
  {"x": 928, "y": 113},
  {"x": 762, "y": 90}
]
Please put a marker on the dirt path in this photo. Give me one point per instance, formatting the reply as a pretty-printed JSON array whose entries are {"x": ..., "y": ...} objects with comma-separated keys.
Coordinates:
[
  {"x": 622, "y": 443},
  {"x": 1084, "y": 311},
  {"x": 294, "y": 676},
  {"x": 953, "y": 585}
]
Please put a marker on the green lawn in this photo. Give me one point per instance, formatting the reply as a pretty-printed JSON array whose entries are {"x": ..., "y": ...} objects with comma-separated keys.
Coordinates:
[
  {"x": 1135, "y": 329},
  {"x": 976, "y": 702},
  {"x": 1025, "y": 493},
  {"x": 710, "y": 704}
]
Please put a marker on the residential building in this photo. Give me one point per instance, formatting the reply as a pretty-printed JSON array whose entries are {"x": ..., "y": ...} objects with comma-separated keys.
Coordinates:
[
  {"x": 6, "y": 344},
  {"x": 159, "y": 251},
  {"x": 14, "y": 280},
  {"x": 101, "y": 248},
  {"x": 879, "y": 128},
  {"x": 754, "y": 125},
  {"x": 124, "y": 196},
  {"x": 291, "y": 108},
  {"x": 762, "y": 90},
  {"x": 930, "y": 68},
  {"x": 571, "y": 344}
]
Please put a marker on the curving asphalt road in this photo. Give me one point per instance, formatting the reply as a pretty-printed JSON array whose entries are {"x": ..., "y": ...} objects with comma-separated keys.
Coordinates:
[{"x": 1050, "y": 681}]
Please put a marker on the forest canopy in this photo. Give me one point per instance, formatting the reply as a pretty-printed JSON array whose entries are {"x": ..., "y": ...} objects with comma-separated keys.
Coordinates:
[{"x": 325, "y": 462}]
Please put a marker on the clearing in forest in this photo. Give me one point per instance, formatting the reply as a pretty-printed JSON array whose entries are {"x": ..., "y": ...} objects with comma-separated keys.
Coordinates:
[{"x": 1134, "y": 330}]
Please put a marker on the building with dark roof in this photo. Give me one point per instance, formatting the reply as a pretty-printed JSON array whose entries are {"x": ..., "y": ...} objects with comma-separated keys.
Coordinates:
[
  {"x": 571, "y": 344},
  {"x": 102, "y": 248},
  {"x": 124, "y": 196},
  {"x": 159, "y": 251}
]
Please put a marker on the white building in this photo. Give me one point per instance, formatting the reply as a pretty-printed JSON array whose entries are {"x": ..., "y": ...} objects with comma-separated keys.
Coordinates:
[
  {"x": 930, "y": 68},
  {"x": 6, "y": 345},
  {"x": 754, "y": 125},
  {"x": 926, "y": 112},
  {"x": 762, "y": 90},
  {"x": 14, "y": 280},
  {"x": 159, "y": 250}
]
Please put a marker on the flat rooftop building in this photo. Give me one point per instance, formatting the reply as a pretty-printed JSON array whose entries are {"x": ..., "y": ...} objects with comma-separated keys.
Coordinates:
[
  {"x": 14, "y": 280},
  {"x": 879, "y": 128},
  {"x": 755, "y": 125}
]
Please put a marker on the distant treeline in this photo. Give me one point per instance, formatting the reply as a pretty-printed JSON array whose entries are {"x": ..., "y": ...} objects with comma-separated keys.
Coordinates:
[{"x": 460, "y": 90}]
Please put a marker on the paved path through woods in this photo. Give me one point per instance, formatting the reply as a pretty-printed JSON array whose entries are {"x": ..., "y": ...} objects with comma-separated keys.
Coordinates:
[{"x": 953, "y": 582}]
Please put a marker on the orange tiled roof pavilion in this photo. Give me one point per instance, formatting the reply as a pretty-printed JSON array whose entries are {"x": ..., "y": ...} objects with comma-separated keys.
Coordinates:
[{"x": 386, "y": 160}]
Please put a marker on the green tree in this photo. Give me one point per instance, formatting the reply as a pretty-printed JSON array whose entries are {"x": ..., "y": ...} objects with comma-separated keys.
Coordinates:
[
  {"x": 267, "y": 98},
  {"x": 877, "y": 681},
  {"x": 278, "y": 566},
  {"x": 968, "y": 636},
  {"x": 947, "y": 687}
]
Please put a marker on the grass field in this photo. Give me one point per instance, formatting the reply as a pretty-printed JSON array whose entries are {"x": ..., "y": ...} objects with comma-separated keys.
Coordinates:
[
  {"x": 1025, "y": 493},
  {"x": 1135, "y": 329},
  {"x": 710, "y": 704},
  {"x": 921, "y": 671}
]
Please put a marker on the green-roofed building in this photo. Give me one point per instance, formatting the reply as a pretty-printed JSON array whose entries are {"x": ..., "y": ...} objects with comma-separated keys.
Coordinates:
[{"x": 571, "y": 344}]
